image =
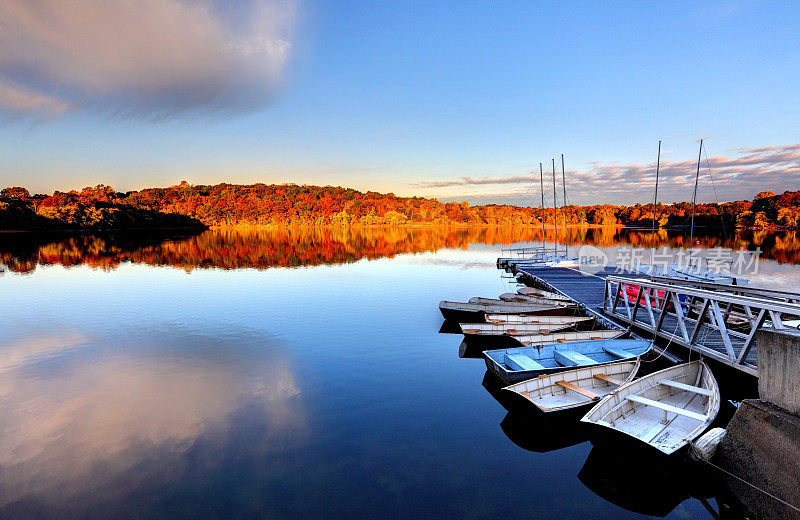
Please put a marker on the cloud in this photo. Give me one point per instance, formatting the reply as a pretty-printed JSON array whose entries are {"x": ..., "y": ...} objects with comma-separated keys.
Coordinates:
[
  {"x": 734, "y": 178},
  {"x": 142, "y": 58},
  {"x": 16, "y": 98},
  {"x": 469, "y": 181}
]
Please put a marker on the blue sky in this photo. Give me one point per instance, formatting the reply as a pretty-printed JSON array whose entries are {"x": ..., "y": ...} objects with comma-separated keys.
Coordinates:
[{"x": 456, "y": 100}]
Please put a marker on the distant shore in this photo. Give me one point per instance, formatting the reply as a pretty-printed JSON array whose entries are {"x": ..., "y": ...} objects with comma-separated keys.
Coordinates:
[
  {"x": 62, "y": 230},
  {"x": 270, "y": 205}
]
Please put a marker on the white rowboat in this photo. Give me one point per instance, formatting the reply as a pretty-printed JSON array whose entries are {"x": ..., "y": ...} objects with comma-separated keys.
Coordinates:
[
  {"x": 516, "y": 297},
  {"x": 565, "y": 337},
  {"x": 575, "y": 388},
  {"x": 521, "y": 300},
  {"x": 460, "y": 311},
  {"x": 514, "y": 329},
  {"x": 666, "y": 409},
  {"x": 532, "y": 318},
  {"x": 530, "y": 291}
]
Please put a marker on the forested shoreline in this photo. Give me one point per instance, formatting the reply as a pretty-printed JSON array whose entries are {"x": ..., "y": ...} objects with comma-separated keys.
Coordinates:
[{"x": 200, "y": 206}]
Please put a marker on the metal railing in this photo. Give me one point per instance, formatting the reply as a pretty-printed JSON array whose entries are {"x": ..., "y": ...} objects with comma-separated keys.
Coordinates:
[
  {"x": 756, "y": 292},
  {"x": 720, "y": 324}
]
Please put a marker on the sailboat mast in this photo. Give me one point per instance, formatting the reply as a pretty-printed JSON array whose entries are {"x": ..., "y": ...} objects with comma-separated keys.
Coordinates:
[
  {"x": 555, "y": 209},
  {"x": 694, "y": 195},
  {"x": 655, "y": 203},
  {"x": 564, "y": 201},
  {"x": 564, "y": 185},
  {"x": 655, "y": 196},
  {"x": 541, "y": 186}
]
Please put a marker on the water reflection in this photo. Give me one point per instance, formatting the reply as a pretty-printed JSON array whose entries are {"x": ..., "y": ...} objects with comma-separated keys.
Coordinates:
[
  {"x": 293, "y": 247},
  {"x": 630, "y": 476},
  {"x": 529, "y": 428},
  {"x": 640, "y": 481},
  {"x": 541, "y": 434},
  {"x": 283, "y": 393},
  {"x": 82, "y": 415}
]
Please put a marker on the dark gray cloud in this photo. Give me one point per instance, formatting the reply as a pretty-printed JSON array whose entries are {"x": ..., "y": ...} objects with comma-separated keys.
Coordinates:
[{"x": 140, "y": 58}]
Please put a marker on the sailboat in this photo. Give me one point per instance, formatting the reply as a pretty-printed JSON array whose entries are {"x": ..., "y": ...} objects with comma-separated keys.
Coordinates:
[
  {"x": 556, "y": 258},
  {"x": 691, "y": 271}
]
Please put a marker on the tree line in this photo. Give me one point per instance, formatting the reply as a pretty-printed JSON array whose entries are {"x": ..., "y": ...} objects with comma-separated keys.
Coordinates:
[{"x": 185, "y": 205}]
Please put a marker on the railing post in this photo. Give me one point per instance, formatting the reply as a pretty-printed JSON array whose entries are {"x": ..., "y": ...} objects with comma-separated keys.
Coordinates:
[
  {"x": 616, "y": 295},
  {"x": 700, "y": 318},
  {"x": 679, "y": 315},
  {"x": 723, "y": 331},
  {"x": 748, "y": 343},
  {"x": 650, "y": 308},
  {"x": 636, "y": 304}
]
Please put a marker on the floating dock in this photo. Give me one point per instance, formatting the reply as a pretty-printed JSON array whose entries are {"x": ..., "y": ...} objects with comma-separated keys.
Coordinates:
[{"x": 715, "y": 320}]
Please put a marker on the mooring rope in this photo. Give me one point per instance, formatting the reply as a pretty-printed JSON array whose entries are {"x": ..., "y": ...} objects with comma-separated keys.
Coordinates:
[{"x": 664, "y": 350}]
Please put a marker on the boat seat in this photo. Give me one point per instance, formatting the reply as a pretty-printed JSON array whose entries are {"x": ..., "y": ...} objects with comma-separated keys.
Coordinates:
[
  {"x": 687, "y": 388},
  {"x": 570, "y": 358},
  {"x": 512, "y": 331},
  {"x": 608, "y": 379},
  {"x": 522, "y": 362},
  {"x": 619, "y": 352},
  {"x": 666, "y": 407},
  {"x": 578, "y": 390}
]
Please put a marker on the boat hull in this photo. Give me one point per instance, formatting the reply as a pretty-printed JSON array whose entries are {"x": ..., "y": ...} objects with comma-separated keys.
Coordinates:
[
  {"x": 513, "y": 329},
  {"x": 541, "y": 293},
  {"x": 523, "y": 298},
  {"x": 520, "y": 300},
  {"x": 537, "y": 319},
  {"x": 597, "y": 351},
  {"x": 665, "y": 410},
  {"x": 469, "y": 312},
  {"x": 575, "y": 389},
  {"x": 533, "y": 340}
]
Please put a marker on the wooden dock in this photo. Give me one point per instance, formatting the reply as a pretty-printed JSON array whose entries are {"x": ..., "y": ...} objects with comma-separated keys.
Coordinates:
[{"x": 583, "y": 288}]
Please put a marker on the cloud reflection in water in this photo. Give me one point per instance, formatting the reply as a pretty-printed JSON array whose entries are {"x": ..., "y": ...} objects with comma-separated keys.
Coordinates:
[{"x": 91, "y": 421}]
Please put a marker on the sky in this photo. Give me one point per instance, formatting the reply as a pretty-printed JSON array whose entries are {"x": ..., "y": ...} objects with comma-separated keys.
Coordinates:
[{"x": 455, "y": 100}]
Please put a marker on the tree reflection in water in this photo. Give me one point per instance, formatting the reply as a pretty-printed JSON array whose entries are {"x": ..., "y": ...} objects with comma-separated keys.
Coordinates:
[{"x": 294, "y": 247}]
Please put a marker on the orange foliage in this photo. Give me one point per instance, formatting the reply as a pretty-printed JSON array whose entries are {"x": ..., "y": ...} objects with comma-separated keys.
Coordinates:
[{"x": 304, "y": 246}]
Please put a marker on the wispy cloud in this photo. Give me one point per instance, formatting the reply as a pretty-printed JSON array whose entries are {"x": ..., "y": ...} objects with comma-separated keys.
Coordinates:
[
  {"x": 752, "y": 170},
  {"x": 141, "y": 58},
  {"x": 469, "y": 181}
]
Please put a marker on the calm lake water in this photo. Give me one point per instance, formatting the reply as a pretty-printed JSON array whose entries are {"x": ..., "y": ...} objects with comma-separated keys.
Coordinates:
[{"x": 292, "y": 374}]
